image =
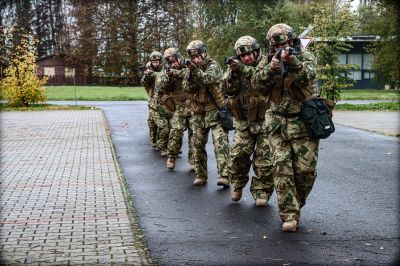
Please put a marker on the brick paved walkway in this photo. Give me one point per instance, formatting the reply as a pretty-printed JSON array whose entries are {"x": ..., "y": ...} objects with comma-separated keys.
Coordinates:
[{"x": 61, "y": 199}]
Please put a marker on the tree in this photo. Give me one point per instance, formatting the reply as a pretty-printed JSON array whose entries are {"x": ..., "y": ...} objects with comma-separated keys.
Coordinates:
[
  {"x": 382, "y": 18},
  {"x": 21, "y": 86},
  {"x": 48, "y": 26},
  {"x": 333, "y": 23}
]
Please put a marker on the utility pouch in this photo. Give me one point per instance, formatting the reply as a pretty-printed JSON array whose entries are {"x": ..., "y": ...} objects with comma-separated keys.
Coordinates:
[
  {"x": 301, "y": 93},
  {"x": 196, "y": 107},
  {"x": 276, "y": 93},
  {"x": 262, "y": 108},
  {"x": 168, "y": 101},
  {"x": 234, "y": 107},
  {"x": 223, "y": 113},
  {"x": 226, "y": 118},
  {"x": 316, "y": 116},
  {"x": 252, "y": 108}
]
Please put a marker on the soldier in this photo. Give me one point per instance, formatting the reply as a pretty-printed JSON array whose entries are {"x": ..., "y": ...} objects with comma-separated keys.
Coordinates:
[
  {"x": 294, "y": 152},
  {"x": 203, "y": 82},
  {"x": 248, "y": 108},
  {"x": 153, "y": 67},
  {"x": 163, "y": 116},
  {"x": 174, "y": 98}
]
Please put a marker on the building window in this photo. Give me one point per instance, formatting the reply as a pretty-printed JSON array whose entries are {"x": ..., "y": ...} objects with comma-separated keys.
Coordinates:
[
  {"x": 356, "y": 75},
  {"x": 69, "y": 72},
  {"x": 49, "y": 71},
  {"x": 368, "y": 59},
  {"x": 354, "y": 59},
  {"x": 369, "y": 75},
  {"x": 342, "y": 59}
]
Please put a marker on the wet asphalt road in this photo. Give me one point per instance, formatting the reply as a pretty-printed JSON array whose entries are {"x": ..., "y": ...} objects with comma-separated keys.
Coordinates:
[{"x": 351, "y": 217}]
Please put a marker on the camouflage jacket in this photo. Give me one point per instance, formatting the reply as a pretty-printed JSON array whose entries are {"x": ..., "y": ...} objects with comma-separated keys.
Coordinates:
[
  {"x": 286, "y": 95},
  {"x": 160, "y": 95},
  {"x": 247, "y": 105},
  {"x": 201, "y": 83},
  {"x": 149, "y": 82},
  {"x": 172, "y": 86}
]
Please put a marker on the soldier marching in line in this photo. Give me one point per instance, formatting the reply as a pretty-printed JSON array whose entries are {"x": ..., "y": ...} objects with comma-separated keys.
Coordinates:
[
  {"x": 153, "y": 67},
  {"x": 203, "y": 81},
  {"x": 295, "y": 154},
  {"x": 169, "y": 84},
  {"x": 163, "y": 118},
  {"x": 248, "y": 108}
]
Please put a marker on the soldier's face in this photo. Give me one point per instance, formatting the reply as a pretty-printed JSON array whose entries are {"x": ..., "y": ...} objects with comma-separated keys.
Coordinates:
[
  {"x": 280, "y": 45},
  {"x": 155, "y": 63},
  {"x": 197, "y": 58},
  {"x": 174, "y": 63},
  {"x": 247, "y": 58}
]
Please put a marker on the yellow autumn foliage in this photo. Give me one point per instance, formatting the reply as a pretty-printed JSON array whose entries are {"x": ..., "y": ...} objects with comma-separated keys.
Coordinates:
[{"x": 21, "y": 86}]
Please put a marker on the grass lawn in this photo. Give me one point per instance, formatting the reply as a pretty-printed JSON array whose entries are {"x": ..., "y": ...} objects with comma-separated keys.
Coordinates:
[
  {"x": 95, "y": 93},
  {"x": 108, "y": 93},
  {"x": 385, "y": 106},
  {"x": 370, "y": 94},
  {"x": 43, "y": 107}
]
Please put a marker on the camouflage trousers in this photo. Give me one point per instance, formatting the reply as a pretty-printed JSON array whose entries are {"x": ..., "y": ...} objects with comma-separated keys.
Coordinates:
[
  {"x": 151, "y": 121},
  {"x": 180, "y": 121},
  {"x": 163, "y": 129},
  {"x": 294, "y": 163},
  {"x": 220, "y": 142},
  {"x": 245, "y": 144}
]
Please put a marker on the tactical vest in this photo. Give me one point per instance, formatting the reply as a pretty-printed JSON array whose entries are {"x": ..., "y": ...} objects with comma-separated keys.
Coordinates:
[
  {"x": 249, "y": 104},
  {"x": 201, "y": 101},
  {"x": 290, "y": 88},
  {"x": 177, "y": 94}
]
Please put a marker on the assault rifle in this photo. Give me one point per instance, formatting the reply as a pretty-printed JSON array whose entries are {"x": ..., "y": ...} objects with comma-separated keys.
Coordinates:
[
  {"x": 186, "y": 62},
  {"x": 229, "y": 60},
  {"x": 167, "y": 67},
  {"x": 142, "y": 68},
  {"x": 290, "y": 51}
]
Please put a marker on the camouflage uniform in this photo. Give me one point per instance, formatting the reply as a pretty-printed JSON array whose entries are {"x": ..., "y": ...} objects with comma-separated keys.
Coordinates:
[
  {"x": 294, "y": 153},
  {"x": 202, "y": 82},
  {"x": 163, "y": 117},
  {"x": 148, "y": 83},
  {"x": 174, "y": 98},
  {"x": 248, "y": 109}
]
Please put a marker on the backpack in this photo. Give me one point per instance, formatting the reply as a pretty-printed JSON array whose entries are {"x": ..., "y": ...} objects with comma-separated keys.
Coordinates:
[{"x": 316, "y": 115}]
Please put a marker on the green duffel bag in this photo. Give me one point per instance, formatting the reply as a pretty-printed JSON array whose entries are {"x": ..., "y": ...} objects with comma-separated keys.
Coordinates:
[{"x": 316, "y": 115}]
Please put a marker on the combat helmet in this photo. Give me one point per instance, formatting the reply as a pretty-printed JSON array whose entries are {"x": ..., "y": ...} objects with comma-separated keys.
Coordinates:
[
  {"x": 155, "y": 55},
  {"x": 246, "y": 44},
  {"x": 196, "y": 47},
  {"x": 171, "y": 53},
  {"x": 280, "y": 33}
]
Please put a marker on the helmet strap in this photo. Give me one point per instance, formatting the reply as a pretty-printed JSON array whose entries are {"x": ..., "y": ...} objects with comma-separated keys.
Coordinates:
[
  {"x": 201, "y": 55},
  {"x": 255, "y": 54}
]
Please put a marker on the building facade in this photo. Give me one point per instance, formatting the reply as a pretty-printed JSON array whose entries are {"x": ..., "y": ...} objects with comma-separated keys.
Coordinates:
[
  {"x": 365, "y": 77},
  {"x": 59, "y": 72}
]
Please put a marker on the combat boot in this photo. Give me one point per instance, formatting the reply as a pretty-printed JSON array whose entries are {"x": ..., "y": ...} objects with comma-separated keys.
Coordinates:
[
  {"x": 171, "y": 163},
  {"x": 261, "y": 202},
  {"x": 164, "y": 153},
  {"x": 191, "y": 168},
  {"x": 236, "y": 195},
  {"x": 223, "y": 181},
  {"x": 199, "y": 181},
  {"x": 289, "y": 226}
]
